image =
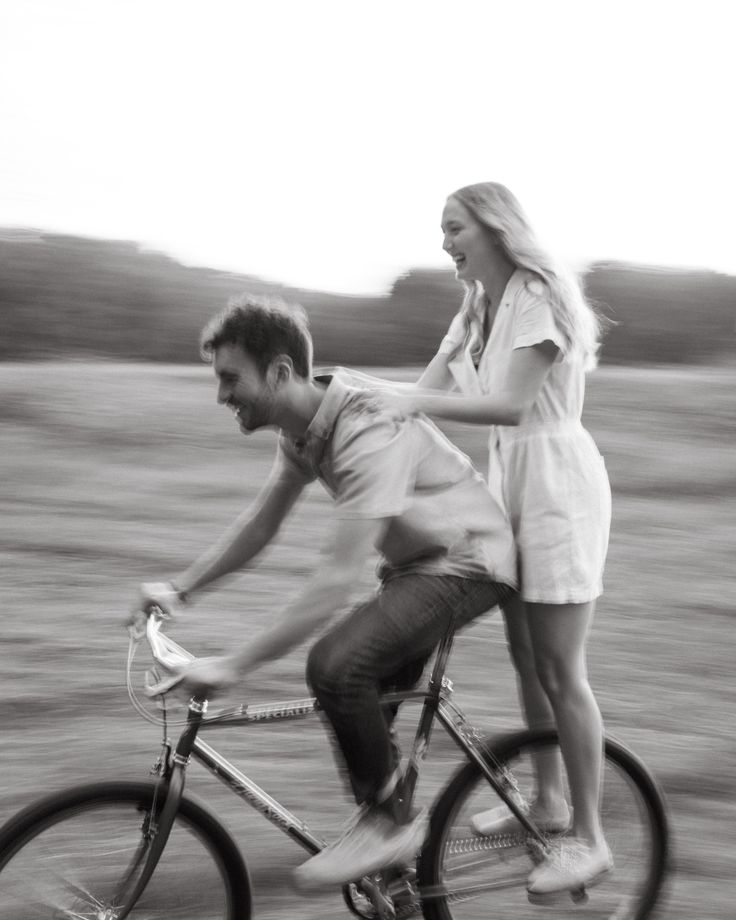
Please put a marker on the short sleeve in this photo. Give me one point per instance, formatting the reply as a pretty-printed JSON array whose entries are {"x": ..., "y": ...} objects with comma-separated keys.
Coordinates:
[
  {"x": 374, "y": 464},
  {"x": 293, "y": 466},
  {"x": 534, "y": 321},
  {"x": 455, "y": 335}
]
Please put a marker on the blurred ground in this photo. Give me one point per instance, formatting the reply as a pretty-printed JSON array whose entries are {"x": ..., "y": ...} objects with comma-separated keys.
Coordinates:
[{"x": 116, "y": 473}]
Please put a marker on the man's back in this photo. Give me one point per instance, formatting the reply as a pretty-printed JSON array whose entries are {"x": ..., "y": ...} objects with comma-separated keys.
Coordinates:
[{"x": 378, "y": 464}]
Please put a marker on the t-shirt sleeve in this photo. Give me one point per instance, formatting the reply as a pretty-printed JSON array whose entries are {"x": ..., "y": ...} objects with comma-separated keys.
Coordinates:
[
  {"x": 291, "y": 464},
  {"x": 455, "y": 335},
  {"x": 535, "y": 322},
  {"x": 374, "y": 464}
]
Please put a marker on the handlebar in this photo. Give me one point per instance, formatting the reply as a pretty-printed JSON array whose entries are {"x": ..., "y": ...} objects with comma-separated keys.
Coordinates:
[
  {"x": 165, "y": 651},
  {"x": 171, "y": 656}
]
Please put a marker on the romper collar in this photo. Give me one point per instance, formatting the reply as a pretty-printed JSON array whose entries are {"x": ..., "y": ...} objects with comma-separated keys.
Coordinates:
[{"x": 461, "y": 366}]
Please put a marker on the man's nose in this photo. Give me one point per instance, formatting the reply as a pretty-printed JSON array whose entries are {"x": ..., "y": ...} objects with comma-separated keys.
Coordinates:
[
  {"x": 446, "y": 244},
  {"x": 223, "y": 394}
]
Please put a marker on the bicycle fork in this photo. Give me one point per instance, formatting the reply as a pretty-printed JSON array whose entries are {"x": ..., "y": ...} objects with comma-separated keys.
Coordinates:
[{"x": 157, "y": 826}]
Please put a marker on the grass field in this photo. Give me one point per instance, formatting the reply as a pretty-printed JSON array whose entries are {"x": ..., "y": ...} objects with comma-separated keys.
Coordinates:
[{"x": 114, "y": 474}]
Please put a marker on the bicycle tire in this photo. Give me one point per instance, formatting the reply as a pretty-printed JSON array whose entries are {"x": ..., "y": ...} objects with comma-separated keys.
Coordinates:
[
  {"x": 68, "y": 854},
  {"x": 458, "y": 870}
]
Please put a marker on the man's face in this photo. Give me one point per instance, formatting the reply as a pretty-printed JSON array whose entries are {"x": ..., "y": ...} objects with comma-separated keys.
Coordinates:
[{"x": 242, "y": 388}]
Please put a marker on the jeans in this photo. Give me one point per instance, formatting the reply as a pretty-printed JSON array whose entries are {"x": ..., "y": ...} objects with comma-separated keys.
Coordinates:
[{"x": 384, "y": 644}]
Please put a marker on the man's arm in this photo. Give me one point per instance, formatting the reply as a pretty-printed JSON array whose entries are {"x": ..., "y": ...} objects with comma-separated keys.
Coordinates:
[
  {"x": 327, "y": 593},
  {"x": 374, "y": 469},
  {"x": 249, "y": 534}
]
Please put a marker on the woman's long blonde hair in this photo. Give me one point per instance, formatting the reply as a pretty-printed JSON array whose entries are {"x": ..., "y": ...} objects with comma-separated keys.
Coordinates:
[{"x": 494, "y": 206}]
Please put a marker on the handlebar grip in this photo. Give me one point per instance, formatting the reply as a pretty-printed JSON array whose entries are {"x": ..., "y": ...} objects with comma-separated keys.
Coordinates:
[
  {"x": 154, "y": 610},
  {"x": 166, "y": 652}
]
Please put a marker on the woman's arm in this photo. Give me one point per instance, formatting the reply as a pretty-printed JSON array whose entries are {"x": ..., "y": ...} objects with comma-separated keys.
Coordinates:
[
  {"x": 436, "y": 375},
  {"x": 528, "y": 368},
  {"x": 369, "y": 382}
]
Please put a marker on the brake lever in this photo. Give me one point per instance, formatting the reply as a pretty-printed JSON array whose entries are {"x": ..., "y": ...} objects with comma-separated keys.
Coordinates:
[{"x": 137, "y": 632}]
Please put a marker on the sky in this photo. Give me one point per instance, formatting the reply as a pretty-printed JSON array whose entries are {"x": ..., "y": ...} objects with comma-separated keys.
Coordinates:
[{"x": 314, "y": 143}]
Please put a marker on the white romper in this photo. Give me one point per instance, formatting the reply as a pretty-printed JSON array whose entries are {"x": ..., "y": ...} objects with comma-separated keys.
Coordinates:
[{"x": 547, "y": 471}]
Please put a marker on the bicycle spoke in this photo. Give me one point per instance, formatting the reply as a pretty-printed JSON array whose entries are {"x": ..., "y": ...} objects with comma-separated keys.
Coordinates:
[
  {"x": 85, "y": 865},
  {"x": 469, "y": 877}
]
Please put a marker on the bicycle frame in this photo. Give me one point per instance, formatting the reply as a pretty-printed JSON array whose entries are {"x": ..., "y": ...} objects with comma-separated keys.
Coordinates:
[{"x": 437, "y": 704}]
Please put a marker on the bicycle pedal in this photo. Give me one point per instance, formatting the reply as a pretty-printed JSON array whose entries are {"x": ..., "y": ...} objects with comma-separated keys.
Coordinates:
[
  {"x": 401, "y": 879},
  {"x": 383, "y": 906},
  {"x": 406, "y": 901}
]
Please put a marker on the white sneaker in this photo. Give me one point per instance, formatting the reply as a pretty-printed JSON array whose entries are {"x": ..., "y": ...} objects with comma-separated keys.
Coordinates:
[
  {"x": 501, "y": 820},
  {"x": 371, "y": 843},
  {"x": 571, "y": 864}
]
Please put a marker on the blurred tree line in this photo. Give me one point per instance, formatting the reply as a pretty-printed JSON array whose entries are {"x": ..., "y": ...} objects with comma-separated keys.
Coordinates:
[{"x": 63, "y": 296}]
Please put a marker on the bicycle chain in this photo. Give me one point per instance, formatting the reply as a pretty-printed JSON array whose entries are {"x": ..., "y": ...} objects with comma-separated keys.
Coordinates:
[
  {"x": 458, "y": 847},
  {"x": 495, "y": 842}
]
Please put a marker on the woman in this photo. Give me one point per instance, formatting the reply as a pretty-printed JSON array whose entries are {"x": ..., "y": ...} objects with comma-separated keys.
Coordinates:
[{"x": 518, "y": 351}]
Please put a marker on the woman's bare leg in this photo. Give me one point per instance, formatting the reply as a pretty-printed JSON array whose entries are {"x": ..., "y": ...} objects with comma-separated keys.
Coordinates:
[
  {"x": 535, "y": 704},
  {"x": 558, "y": 635}
]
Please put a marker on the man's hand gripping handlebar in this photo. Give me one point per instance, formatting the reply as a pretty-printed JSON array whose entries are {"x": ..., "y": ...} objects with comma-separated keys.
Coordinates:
[
  {"x": 200, "y": 676},
  {"x": 168, "y": 654}
]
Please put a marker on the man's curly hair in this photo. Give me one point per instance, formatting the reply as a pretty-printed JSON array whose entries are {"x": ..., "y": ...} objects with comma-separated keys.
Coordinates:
[{"x": 264, "y": 327}]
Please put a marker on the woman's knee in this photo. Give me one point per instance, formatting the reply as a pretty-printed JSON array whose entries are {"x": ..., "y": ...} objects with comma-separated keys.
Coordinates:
[
  {"x": 558, "y": 634},
  {"x": 560, "y": 677}
]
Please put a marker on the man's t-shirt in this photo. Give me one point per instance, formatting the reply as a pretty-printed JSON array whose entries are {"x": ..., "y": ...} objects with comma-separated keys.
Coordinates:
[{"x": 377, "y": 463}]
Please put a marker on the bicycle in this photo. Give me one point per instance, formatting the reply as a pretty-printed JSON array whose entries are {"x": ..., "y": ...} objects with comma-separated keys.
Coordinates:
[{"x": 106, "y": 851}]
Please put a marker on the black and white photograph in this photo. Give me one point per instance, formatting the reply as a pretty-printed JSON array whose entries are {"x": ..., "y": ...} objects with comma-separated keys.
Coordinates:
[{"x": 367, "y": 481}]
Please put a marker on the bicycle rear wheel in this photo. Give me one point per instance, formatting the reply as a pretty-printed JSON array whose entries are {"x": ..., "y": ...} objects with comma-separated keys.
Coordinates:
[
  {"x": 74, "y": 854},
  {"x": 467, "y": 877}
]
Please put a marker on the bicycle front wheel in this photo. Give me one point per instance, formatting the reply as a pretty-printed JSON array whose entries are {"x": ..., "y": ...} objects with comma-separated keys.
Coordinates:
[
  {"x": 76, "y": 853},
  {"x": 464, "y": 876}
]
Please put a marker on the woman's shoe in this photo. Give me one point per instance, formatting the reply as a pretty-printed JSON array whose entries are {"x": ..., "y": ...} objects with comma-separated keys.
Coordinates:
[
  {"x": 572, "y": 864},
  {"x": 501, "y": 820}
]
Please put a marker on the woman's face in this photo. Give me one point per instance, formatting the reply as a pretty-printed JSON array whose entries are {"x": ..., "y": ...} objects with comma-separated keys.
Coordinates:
[{"x": 470, "y": 244}]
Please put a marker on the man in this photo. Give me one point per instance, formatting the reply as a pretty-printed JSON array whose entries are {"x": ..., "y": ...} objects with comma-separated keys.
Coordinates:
[{"x": 398, "y": 486}]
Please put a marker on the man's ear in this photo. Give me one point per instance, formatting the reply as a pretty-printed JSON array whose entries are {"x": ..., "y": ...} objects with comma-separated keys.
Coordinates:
[{"x": 280, "y": 370}]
